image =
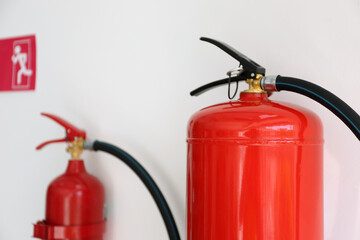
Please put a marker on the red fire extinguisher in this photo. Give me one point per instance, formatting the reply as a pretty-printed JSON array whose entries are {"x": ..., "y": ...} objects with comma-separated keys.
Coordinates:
[
  {"x": 255, "y": 167},
  {"x": 75, "y": 200}
]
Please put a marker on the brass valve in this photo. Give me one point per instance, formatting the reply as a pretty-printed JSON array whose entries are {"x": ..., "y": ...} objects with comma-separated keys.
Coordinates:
[
  {"x": 75, "y": 148},
  {"x": 254, "y": 84}
]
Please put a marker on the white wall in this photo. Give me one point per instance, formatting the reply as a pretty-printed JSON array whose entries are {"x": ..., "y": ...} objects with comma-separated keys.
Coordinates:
[{"x": 123, "y": 70}]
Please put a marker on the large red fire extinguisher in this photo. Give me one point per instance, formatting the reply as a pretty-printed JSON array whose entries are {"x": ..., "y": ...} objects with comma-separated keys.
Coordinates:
[
  {"x": 255, "y": 167},
  {"x": 75, "y": 200}
]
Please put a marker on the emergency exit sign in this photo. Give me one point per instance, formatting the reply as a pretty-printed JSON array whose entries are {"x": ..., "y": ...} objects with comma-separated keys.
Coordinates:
[{"x": 18, "y": 63}]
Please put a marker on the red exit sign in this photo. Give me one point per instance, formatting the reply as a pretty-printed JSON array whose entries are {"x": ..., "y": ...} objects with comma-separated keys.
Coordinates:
[{"x": 18, "y": 63}]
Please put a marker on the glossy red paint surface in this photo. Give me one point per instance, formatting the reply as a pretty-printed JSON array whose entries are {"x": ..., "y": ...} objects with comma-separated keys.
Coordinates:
[
  {"x": 75, "y": 204},
  {"x": 255, "y": 171}
]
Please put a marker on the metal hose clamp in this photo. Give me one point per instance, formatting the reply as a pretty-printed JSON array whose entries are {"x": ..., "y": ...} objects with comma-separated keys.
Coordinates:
[{"x": 268, "y": 83}]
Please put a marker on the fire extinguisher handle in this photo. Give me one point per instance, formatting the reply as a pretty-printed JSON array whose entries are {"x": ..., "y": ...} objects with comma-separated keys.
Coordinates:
[
  {"x": 247, "y": 69},
  {"x": 50, "y": 141},
  {"x": 250, "y": 67},
  {"x": 71, "y": 132},
  {"x": 209, "y": 86}
]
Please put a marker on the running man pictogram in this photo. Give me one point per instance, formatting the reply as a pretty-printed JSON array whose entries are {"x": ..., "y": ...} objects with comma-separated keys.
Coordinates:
[{"x": 22, "y": 59}]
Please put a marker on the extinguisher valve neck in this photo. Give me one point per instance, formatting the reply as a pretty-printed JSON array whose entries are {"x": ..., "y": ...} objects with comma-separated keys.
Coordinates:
[
  {"x": 76, "y": 148},
  {"x": 254, "y": 84}
]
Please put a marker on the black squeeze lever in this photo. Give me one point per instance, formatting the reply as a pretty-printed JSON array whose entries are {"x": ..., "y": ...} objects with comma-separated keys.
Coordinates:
[{"x": 250, "y": 68}]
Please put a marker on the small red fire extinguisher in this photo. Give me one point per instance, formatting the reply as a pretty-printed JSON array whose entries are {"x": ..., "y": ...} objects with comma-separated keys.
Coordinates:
[
  {"x": 255, "y": 167},
  {"x": 75, "y": 200}
]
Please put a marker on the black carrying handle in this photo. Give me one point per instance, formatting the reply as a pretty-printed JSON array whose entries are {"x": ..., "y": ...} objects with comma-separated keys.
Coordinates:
[
  {"x": 214, "y": 84},
  {"x": 250, "y": 67}
]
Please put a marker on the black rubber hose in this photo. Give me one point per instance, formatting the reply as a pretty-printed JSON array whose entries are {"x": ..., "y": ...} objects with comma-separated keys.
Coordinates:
[
  {"x": 324, "y": 97},
  {"x": 149, "y": 183}
]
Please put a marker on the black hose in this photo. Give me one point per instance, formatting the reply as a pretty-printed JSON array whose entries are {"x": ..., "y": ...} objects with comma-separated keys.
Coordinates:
[
  {"x": 324, "y": 97},
  {"x": 149, "y": 183}
]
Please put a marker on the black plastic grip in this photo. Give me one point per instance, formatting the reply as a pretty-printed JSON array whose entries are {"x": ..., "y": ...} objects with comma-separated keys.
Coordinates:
[
  {"x": 214, "y": 84},
  {"x": 251, "y": 68}
]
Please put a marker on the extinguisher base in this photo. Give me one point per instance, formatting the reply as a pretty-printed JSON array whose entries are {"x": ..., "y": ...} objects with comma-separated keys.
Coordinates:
[{"x": 46, "y": 231}]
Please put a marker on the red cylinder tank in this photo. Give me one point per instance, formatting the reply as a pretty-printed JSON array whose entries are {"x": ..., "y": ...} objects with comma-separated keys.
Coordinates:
[
  {"x": 74, "y": 206},
  {"x": 255, "y": 171}
]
